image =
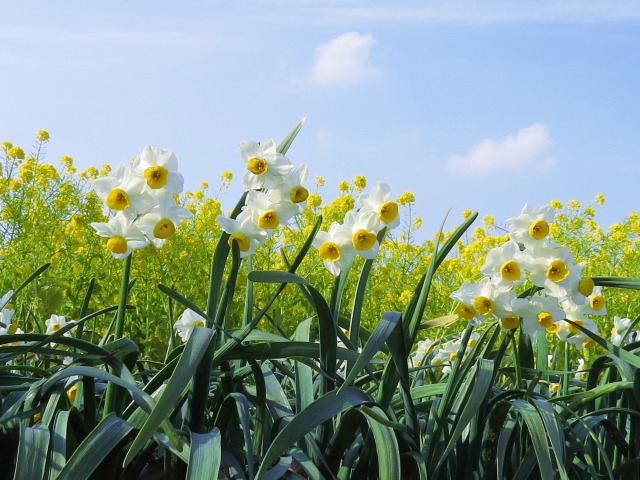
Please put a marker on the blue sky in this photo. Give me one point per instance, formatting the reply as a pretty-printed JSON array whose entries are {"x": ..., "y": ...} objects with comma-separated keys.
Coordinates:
[{"x": 469, "y": 105}]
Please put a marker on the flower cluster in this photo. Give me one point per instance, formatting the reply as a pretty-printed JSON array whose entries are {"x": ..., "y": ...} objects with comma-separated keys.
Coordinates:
[
  {"x": 142, "y": 196},
  {"x": 358, "y": 233},
  {"x": 275, "y": 194},
  {"x": 529, "y": 259}
]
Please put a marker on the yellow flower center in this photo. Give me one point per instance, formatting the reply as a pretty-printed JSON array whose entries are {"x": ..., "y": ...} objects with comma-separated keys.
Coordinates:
[
  {"x": 597, "y": 302},
  {"x": 483, "y": 305},
  {"x": 299, "y": 194},
  {"x": 589, "y": 343},
  {"x": 554, "y": 328},
  {"x": 241, "y": 239},
  {"x": 73, "y": 391},
  {"x": 453, "y": 356},
  {"x": 614, "y": 330},
  {"x": 573, "y": 328},
  {"x": 269, "y": 219},
  {"x": 13, "y": 328},
  {"x": 257, "y": 165},
  {"x": 466, "y": 312},
  {"x": 330, "y": 252},
  {"x": 388, "y": 212},
  {"x": 472, "y": 343},
  {"x": 117, "y": 245},
  {"x": 363, "y": 240},
  {"x": 545, "y": 319},
  {"x": 198, "y": 323},
  {"x": 55, "y": 327},
  {"x": 118, "y": 199},
  {"x": 557, "y": 271},
  {"x": 538, "y": 229},
  {"x": 156, "y": 176},
  {"x": 510, "y": 270},
  {"x": 585, "y": 286},
  {"x": 510, "y": 322},
  {"x": 164, "y": 229}
]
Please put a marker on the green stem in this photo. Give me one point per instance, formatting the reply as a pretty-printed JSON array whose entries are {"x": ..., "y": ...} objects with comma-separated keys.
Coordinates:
[{"x": 114, "y": 395}]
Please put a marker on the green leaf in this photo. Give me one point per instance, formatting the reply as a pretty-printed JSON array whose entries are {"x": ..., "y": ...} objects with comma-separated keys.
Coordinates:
[
  {"x": 206, "y": 455},
  {"x": 379, "y": 336},
  {"x": 189, "y": 360},
  {"x": 323, "y": 409},
  {"x": 288, "y": 140},
  {"x": 538, "y": 436},
  {"x": 95, "y": 447},
  {"x": 617, "y": 282},
  {"x": 387, "y": 451},
  {"x": 32, "y": 452}
]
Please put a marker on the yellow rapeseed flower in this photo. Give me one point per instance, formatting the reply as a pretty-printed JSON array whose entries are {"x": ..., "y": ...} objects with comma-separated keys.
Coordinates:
[
  {"x": 406, "y": 198},
  {"x": 360, "y": 182},
  {"x": 16, "y": 152},
  {"x": 600, "y": 199},
  {"x": 42, "y": 136},
  {"x": 555, "y": 204}
]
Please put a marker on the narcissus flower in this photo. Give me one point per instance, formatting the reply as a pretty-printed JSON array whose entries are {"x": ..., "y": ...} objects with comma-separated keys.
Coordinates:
[
  {"x": 243, "y": 231},
  {"x": 265, "y": 166},
  {"x": 187, "y": 323},
  {"x": 267, "y": 214},
  {"x": 506, "y": 265},
  {"x": 379, "y": 201},
  {"x": 620, "y": 330},
  {"x": 335, "y": 247},
  {"x": 538, "y": 313},
  {"x": 160, "y": 223},
  {"x": 159, "y": 168},
  {"x": 291, "y": 188},
  {"x": 364, "y": 232},
  {"x": 485, "y": 299},
  {"x": 532, "y": 226},
  {"x": 422, "y": 350},
  {"x": 553, "y": 269},
  {"x": 122, "y": 236},
  {"x": 124, "y": 192}
]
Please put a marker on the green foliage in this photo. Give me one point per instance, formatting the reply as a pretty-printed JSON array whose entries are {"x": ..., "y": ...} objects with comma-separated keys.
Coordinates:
[{"x": 296, "y": 374}]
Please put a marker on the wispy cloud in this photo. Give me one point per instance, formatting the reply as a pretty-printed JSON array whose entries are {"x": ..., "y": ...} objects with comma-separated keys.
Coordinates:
[
  {"x": 343, "y": 61},
  {"x": 524, "y": 150},
  {"x": 474, "y": 12}
]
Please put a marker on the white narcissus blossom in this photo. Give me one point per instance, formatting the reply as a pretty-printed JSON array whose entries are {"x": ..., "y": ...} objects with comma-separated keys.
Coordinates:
[
  {"x": 56, "y": 322},
  {"x": 160, "y": 223},
  {"x": 538, "y": 313},
  {"x": 532, "y": 226},
  {"x": 335, "y": 247},
  {"x": 620, "y": 330},
  {"x": 364, "y": 232},
  {"x": 506, "y": 265},
  {"x": 379, "y": 201},
  {"x": 291, "y": 188},
  {"x": 553, "y": 269},
  {"x": 159, "y": 168},
  {"x": 267, "y": 214},
  {"x": 595, "y": 304},
  {"x": 124, "y": 192},
  {"x": 244, "y": 232},
  {"x": 122, "y": 236},
  {"x": 187, "y": 322},
  {"x": 423, "y": 348},
  {"x": 265, "y": 166},
  {"x": 581, "y": 373},
  {"x": 484, "y": 299}
]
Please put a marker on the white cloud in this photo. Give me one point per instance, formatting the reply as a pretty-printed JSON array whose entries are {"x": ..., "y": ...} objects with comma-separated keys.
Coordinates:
[
  {"x": 524, "y": 150},
  {"x": 474, "y": 12},
  {"x": 343, "y": 61}
]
